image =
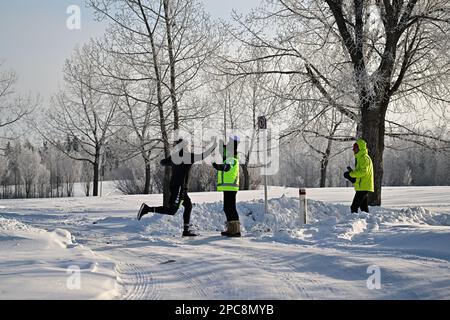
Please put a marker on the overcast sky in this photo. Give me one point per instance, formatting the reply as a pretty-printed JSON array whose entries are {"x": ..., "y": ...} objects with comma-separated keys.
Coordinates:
[{"x": 34, "y": 39}]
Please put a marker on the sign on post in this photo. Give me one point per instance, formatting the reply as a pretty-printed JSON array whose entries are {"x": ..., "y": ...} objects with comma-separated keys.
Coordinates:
[{"x": 262, "y": 125}]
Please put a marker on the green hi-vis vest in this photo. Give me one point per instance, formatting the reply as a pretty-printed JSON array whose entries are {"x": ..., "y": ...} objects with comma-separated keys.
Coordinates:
[{"x": 229, "y": 180}]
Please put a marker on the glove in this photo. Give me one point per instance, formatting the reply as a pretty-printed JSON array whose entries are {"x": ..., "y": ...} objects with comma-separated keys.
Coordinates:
[
  {"x": 348, "y": 177},
  {"x": 165, "y": 162},
  {"x": 349, "y": 169},
  {"x": 215, "y": 166}
]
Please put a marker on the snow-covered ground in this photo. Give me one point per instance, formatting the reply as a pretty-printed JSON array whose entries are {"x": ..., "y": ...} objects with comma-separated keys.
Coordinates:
[{"x": 46, "y": 243}]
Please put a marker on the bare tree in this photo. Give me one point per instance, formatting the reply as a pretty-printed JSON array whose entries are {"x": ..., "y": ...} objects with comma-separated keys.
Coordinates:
[
  {"x": 245, "y": 95},
  {"x": 367, "y": 58},
  {"x": 142, "y": 122},
  {"x": 13, "y": 106},
  {"x": 32, "y": 170},
  {"x": 137, "y": 101},
  {"x": 166, "y": 42},
  {"x": 12, "y": 153},
  {"x": 80, "y": 113},
  {"x": 328, "y": 131},
  {"x": 138, "y": 40}
]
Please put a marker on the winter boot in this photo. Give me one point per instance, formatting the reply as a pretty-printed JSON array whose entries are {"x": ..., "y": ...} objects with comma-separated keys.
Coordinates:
[
  {"x": 224, "y": 233},
  {"x": 187, "y": 232},
  {"x": 143, "y": 211},
  {"x": 233, "y": 229}
]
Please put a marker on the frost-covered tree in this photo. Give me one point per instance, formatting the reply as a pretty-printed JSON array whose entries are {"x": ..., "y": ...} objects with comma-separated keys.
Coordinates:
[
  {"x": 29, "y": 165},
  {"x": 165, "y": 44},
  {"x": 369, "y": 59},
  {"x": 14, "y": 107},
  {"x": 82, "y": 113}
]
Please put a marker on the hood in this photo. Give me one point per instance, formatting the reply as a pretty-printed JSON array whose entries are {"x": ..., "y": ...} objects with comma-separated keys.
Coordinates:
[{"x": 362, "y": 147}]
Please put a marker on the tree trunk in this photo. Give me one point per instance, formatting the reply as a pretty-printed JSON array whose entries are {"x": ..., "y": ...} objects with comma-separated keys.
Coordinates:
[
  {"x": 87, "y": 188},
  {"x": 246, "y": 185},
  {"x": 323, "y": 172},
  {"x": 373, "y": 130},
  {"x": 16, "y": 187},
  {"x": 166, "y": 188},
  {"x": 27, "y": 189},
  {"x": 147, "y": 177},
  {"x": 170, "y": 51},
  {"x": 324, "y": 162},
  {"x": 96, "y": 176},
  {"x": 58, "y": 195},
  {"x": 159, "y": 96},
  {"x": 172, "y": 89}
]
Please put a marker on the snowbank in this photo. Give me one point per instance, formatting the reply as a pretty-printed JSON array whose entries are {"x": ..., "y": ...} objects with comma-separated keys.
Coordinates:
[
  {"x": 41, "y": 240},
  {"x": 38, "y": 264}
]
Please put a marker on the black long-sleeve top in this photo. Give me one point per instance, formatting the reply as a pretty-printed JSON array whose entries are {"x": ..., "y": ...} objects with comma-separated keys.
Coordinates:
[
  {"x": 224, "y": 166},
  {"x": 181, "y": 171}
]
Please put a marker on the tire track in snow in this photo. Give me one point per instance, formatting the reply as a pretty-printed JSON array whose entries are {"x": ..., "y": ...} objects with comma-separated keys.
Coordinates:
[
  {"x": 173, "y": 272},
  {"x": 306, "y": 283},
  {"x": 221, "y": 283},
  {"x": 200, "y": 278},
  {"x": 293, "y": 281},
  {"x": 136, "y": 283},
  {"x": 285, "y": 278},
  {"x": 237, "y": 255}
]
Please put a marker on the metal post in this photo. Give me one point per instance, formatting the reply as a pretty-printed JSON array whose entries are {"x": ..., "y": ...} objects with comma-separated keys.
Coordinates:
[
  {"x": 262, "y": 125},
  {"x": 303, "y": 206},
  {"x": 266, "y": 206}
]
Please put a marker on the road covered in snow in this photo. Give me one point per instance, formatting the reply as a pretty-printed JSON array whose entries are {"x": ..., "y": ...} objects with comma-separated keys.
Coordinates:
[{"x": 93, "y": 248}]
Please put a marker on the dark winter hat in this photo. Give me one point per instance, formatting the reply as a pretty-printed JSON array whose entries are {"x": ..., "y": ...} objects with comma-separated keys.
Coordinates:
[
  {"x": 234, "y": 138},
  {"x": 178, "y": 141}
]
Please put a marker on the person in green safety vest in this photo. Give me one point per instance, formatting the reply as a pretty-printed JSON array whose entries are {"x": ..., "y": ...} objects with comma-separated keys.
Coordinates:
[{"x": 228, "y": 183}]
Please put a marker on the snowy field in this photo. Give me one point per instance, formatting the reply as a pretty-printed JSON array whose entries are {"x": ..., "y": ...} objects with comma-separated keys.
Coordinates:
[{"x": 45, "y": 244}]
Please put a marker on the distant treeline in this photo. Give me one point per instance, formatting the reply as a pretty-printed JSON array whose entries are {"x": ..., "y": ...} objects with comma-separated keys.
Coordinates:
[{"x": 32, "y": 171}]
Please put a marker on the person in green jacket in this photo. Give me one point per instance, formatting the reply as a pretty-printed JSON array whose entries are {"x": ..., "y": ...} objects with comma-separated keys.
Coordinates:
[
  {"x": 361, "y": 177},
  {"x": 228, "y": 183}
]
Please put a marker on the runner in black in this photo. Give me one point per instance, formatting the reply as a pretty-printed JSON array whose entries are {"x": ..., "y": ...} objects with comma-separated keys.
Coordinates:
[{"x": 181, "y": 162}]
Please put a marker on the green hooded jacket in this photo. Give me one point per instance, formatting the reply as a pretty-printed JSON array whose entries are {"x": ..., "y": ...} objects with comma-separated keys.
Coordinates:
[{"x": 364, "y": 169}]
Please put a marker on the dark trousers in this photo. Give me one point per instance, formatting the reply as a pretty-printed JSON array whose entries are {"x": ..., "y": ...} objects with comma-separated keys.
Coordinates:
[
  {"x": 178, "y": 196},
  {"x": 360, "y": 201},
  {"x": 229, "y": 205}
]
